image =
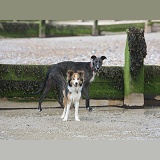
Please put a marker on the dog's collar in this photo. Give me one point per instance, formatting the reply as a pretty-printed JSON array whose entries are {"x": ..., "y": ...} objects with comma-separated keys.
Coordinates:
[{"x": 92, "y": 67}]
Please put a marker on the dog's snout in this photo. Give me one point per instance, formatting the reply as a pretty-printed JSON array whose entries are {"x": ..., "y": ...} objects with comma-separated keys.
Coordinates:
[{"x": 97, "y": 67}]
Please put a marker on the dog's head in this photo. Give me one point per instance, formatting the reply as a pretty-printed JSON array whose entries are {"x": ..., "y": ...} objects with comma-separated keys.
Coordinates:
[
  {"x": 75, "y": 79},
  {"x": 96, "y": 62}
]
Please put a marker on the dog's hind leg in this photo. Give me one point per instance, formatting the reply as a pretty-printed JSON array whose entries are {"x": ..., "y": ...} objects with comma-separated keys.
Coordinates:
[
  {"x": 60, "y": 98},
  {"x": 48, "y": 87},
  {"x": 60, "y": 86},
  {"x": 85, "y": 91}
]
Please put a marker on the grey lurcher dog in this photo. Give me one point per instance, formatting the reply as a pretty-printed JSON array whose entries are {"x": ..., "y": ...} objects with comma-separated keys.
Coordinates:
[{"x": 55, "y": 77}]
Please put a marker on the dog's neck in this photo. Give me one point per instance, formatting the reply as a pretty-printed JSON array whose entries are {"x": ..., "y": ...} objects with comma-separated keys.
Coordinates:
[
  {"x": 92, "y": 68},
  {"x": 74, "y": 89}
]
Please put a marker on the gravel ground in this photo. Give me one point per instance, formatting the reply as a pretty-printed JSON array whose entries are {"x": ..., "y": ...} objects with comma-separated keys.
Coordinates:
[
  {"x": 105, "y": 122},
  {"x": 54, "y": 50}
]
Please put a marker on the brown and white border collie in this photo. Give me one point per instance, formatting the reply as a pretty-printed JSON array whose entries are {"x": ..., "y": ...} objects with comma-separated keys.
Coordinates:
[{"x": 72, "y": 93}]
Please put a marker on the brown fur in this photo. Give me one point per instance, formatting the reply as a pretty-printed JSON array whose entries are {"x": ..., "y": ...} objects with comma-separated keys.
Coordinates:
[{"x": 72, "y": 94}]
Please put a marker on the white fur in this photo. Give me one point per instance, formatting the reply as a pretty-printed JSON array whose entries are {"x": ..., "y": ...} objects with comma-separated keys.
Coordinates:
[
  {"x": 92, "y": 79},
  {"x": 74, "y": 98}
]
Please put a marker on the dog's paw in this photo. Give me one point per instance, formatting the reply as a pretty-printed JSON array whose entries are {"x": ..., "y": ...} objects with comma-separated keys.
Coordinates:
[
  {"x": 90, "y": 109},
  {"x": 39, "y": 110},
  {"x": 64, "y": 119},
  {"x": 77, "y": 119}
]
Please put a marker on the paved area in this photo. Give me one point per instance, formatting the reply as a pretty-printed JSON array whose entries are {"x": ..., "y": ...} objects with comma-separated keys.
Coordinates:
[
  {"x": 104, "y": 123},
  {"x": 100, "y": 22}
]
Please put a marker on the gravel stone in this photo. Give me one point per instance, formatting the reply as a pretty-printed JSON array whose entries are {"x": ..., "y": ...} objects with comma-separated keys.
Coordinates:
[{"x": 53, "y": 50}]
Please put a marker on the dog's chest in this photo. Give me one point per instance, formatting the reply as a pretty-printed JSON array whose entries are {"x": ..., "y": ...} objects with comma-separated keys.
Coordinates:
[
  {"x": 93, "y": 76},
  {"x": 74, "y": 95}
]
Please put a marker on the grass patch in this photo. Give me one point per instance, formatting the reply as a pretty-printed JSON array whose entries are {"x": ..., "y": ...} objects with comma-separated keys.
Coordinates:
[
  {"x": 119, "y": 27},
  {"x": 67, "y": 30}
]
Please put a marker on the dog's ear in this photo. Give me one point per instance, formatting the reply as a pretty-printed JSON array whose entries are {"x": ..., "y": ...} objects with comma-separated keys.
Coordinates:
[
  {"x": 69, "y": 73},
  {"x": 93, "y": 57},
  {"x": 103, "y": 57},
  {"x": 81, "y": 73}
]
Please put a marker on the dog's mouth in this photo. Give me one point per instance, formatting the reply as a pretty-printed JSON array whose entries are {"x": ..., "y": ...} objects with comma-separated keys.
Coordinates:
[
  {"x": 76, "y": 84},
  {"x": 97, "y": 69}
]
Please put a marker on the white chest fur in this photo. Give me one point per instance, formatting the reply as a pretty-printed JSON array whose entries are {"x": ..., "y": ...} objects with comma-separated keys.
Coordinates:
[
  {"x": 75, "y": 93},
  {"x": 93, "y": 77}
]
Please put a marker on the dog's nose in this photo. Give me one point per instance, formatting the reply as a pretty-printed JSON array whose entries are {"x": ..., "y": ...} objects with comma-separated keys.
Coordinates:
[{"x": 97, "y": 68}]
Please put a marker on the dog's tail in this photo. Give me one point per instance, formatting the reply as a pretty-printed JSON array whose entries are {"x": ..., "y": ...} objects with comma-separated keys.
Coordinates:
[
  {"x": 42, "y": 86},
  {"x": 40, "y": 89}
]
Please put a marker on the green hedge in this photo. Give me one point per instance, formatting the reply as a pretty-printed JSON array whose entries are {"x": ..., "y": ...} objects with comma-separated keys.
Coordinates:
[
  {"x": 31, "y": 29},
  {"x": 17, "y": 81},
  {"x": 67, "y": 30},
  {"x": 20, "y": 80},
  {"x": 19, "y": 29},
  {"x": 119, "y": 27},
  {"x": 152, "y": 80}
]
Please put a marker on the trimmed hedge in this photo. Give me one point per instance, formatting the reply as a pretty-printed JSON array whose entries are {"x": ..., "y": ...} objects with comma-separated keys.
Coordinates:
[
  {"x": 19, "y": 29},
  {"x": 20, "y": 80},
  {"x": 119, "y": 27},
  {"x": 31, "y": 29},
  {"x": 152, "y": 80},
  {"x": 67, "y": 30}
]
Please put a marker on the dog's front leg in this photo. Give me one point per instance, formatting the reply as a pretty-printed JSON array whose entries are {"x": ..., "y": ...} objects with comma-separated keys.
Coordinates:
[
  {"x": 76, "y": 111},
  {"x": 67, "y": 111},
  {"x": 64, "y": 112}
]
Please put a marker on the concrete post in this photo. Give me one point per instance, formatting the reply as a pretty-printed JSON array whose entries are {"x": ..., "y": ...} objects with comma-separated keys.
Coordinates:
[
  {"x": 42, "y": 29},
  {"x": 95, "y": 28},
  {"x": 148, "y": 26},
  {"x": 135, "y": 52}
]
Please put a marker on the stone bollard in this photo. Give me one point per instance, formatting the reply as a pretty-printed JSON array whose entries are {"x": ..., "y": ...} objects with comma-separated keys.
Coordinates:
[
  {"x": 42, "y": 29},
  {"x": 95, "y": 28},
  {"x": 148, "y": 26},
  {"x": 135, "y": 53}
]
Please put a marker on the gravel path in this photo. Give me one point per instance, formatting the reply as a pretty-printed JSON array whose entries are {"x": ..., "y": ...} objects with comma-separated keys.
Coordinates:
[
  {"x": 54, "y": 50},
  {"x": 105, "y": 123}
]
